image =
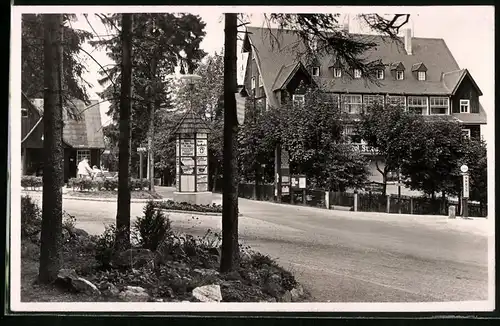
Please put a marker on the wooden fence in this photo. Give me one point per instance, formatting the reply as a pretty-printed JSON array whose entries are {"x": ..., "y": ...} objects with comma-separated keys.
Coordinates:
[{"x": 362, "y": 202}]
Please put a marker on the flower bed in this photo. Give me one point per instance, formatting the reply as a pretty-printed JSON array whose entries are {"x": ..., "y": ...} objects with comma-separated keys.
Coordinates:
[
  {"x": 31, "y": 182},
  {"x": 109, "y": 184},
  {"x": 162, "y": 265},
  {"x": 172, "y": 205}
]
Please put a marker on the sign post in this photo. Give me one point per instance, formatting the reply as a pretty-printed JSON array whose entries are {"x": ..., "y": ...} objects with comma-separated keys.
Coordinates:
[{"x": 465, "y": 191}]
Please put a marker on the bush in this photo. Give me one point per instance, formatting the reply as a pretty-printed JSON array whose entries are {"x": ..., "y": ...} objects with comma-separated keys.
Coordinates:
[
  {"x": 152, "y": 227},
  {"x": 211, "y": 240},
  {"x": 68, "y": 221},
  {"x": 105, "y": 244},
  {"x": 30, "y": 181},
  {"x": 110, "y": 184},
  {"x": 81, "y": 183},
  {"x": 138, "y": 184},
  {"x": 31, "y": 216}
]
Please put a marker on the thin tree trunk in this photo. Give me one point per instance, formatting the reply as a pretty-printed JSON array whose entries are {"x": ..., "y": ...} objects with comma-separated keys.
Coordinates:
[
  {"x": 152, "y": 107},
  {"x": 123, "y": 211},
  {"x": 51, "y": 233},
  {"x": 216, "y": 173},
  {"x": 230, "y": 247}
]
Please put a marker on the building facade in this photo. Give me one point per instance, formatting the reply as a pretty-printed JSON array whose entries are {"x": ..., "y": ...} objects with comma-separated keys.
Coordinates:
[
  {"x": 82, "y": 136},
  {"x": 421, "y": 74}
]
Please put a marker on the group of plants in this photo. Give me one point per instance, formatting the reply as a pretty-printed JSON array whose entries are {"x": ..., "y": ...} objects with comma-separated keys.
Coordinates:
[
  {"x": 106, "y": 184},
  {"x": 168, "y": 265}
]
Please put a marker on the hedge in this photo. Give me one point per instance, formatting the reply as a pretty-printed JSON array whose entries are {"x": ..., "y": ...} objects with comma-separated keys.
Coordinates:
[
  {"x": 29, "y": 181},
  {"x": 105, "y": 184},
  {"x": 170, "y": 204}
]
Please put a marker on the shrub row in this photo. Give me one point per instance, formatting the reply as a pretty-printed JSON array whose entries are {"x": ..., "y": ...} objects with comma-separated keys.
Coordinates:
[
  {"x": 170, "y": 204},
  {"x": 30, "y": 181},
  {"x": 105, "y": 184}
]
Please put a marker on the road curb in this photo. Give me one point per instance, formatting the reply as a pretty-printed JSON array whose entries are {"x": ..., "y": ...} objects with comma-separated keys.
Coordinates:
[{"x": 194, "y": 212}]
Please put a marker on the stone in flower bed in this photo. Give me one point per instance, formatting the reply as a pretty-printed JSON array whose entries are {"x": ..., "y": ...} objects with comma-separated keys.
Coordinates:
[{"x": 172, "y": 205}]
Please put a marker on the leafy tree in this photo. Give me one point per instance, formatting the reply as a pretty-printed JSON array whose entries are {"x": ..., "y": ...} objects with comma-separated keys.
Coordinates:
[
  {"x": 313, "y": 135},
  {"x": 165, "y": 39},
  {"x": 475, "y": 158},
  {"x": 32, "y": 61},
  {"x": 392, "y": 131},
  {"x": 434, "y": 158}
]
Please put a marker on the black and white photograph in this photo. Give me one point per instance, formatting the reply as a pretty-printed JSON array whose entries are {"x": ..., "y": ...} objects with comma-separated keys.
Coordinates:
[{"x": 251, "y": 159}]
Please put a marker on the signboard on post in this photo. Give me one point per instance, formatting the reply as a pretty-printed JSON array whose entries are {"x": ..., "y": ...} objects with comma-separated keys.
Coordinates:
[
  {"x": 240, "y": 107},
  {"x": 466, "y": 185},
  {"x": 187, "y": 147}
]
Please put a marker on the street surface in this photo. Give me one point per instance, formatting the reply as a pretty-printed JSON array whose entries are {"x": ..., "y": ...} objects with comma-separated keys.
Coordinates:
[{"x": 346, "y": 256}]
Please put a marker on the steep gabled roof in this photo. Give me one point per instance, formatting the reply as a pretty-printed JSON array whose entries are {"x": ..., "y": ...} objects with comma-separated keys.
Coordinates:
[
  {"x": 453, "y": 79},
  {"x": 286, "y": 74},
  {"x": 278, "y": 48},
  {"x": 84, "y": 132}
]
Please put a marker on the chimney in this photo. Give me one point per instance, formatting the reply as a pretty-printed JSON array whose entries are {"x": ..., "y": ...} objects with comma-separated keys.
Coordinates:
[{"x": 408, "y": 46}]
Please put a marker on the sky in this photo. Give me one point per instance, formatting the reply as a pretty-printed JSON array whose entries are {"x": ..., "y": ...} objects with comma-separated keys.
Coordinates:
[{"x": 467, "y": 30}]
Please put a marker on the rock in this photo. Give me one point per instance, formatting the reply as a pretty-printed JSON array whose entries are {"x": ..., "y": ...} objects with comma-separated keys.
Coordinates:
[
  {"x": 287, "y": 297},
  {"x": 297, "y": 293},
  {"x": 69, "y": 278},
  {"x": 208, "y": 293},
  {"x": 133, "y": 258},
  {"x": 109, "y": 289},
  {"x": 134, "y": 293}
]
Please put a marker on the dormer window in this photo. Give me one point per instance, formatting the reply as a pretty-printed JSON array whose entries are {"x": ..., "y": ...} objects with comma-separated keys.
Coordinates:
[
  {"x": 421, "y": 75},
  {"x": 400, "y": 75},
  {"x": 315, "y": 71},
  {"x": 24, "y": 113},
  {"x": 380, "y": 74},
  {"x": 337, "y": 72},
  {"x": 357, "y": 73}
]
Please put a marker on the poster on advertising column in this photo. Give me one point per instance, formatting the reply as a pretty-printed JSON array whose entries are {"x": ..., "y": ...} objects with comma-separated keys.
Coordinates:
[
  {"x": 201, "y": 147},
  {"x": 187, "y": 147}
]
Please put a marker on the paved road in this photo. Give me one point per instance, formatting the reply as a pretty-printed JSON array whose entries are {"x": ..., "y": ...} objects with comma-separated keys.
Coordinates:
[{"x": 348, "y": 256}]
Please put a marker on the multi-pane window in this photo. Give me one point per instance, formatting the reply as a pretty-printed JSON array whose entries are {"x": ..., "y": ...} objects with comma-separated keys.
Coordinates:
[
  {"x": 81, "y": 154},
  {"x": 421, "y": 75},
  {"x": 400, "y": 75},
  {"x": 298, "y": 99},
  {"x": 439, "y": 105},
  {"x": 253, "y": 82},
  {"x": 369, "y": 100},
  {"x": 337, "y": 72},
  {"x": 417, "y": 104},
  {"x": 352, "y": 103},
  {"x": 261, "y": 83},
  {"x": 464, "y": 106},
  {"x": 398, "y": 101},
  {"x": 315, "y": 71},
  {"x": 357, "y": 73},
  {"x": 380, "y": 74},
  {"x": 466, "y": 133}
]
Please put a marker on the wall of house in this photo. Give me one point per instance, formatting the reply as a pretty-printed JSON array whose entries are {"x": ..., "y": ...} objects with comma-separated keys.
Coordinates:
[
  {"x": 475, "y": 131},
  {"x": 466, "y": 91}
]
